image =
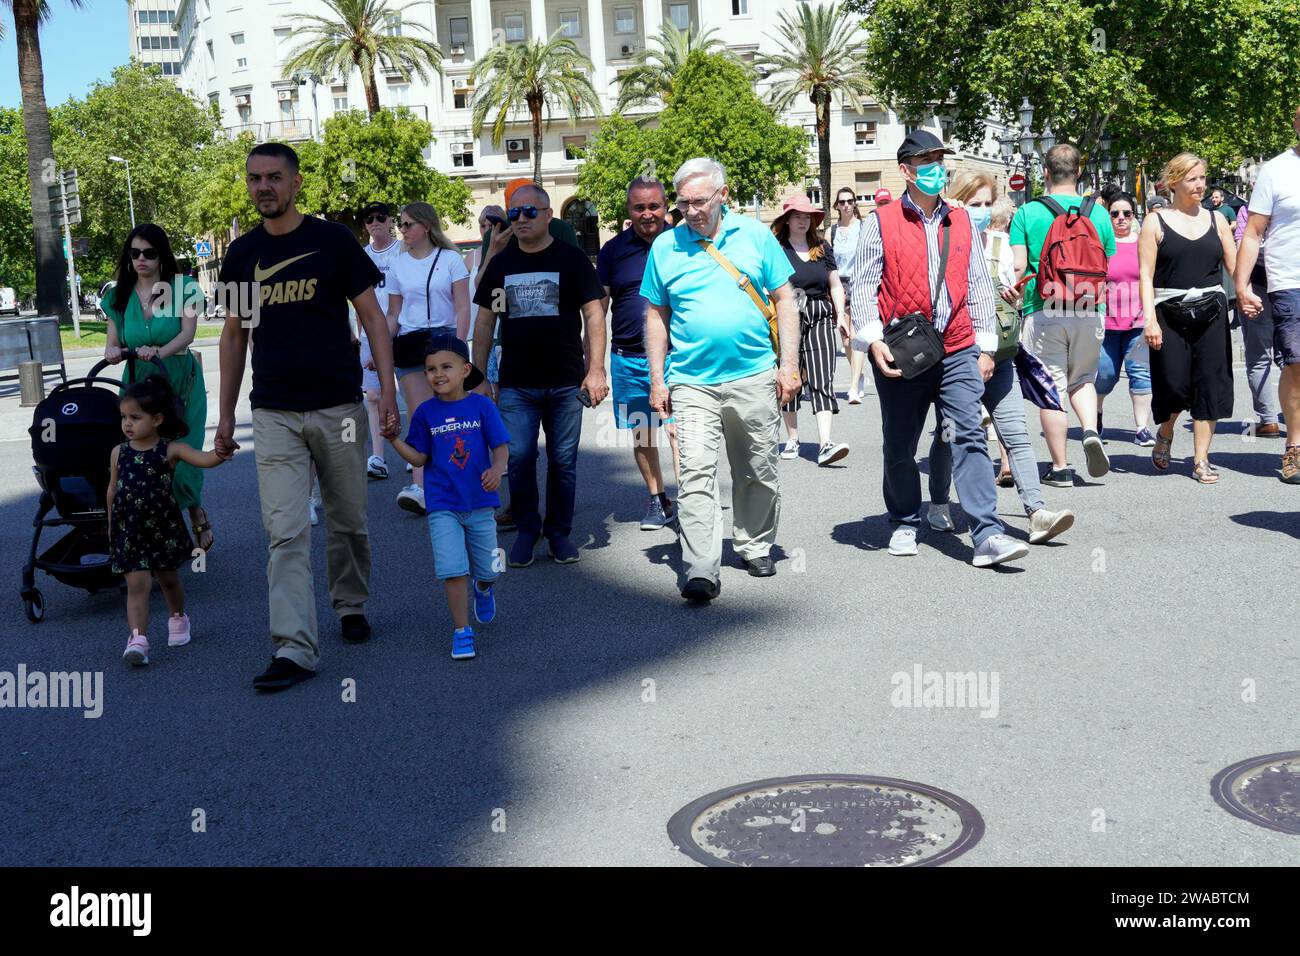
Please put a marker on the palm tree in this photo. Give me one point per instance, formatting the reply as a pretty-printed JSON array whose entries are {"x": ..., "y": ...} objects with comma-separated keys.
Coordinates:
[
  {"x": 654, "y": 71},
  {"x": 539, "y": 75},
  {"x": 820, "y": 54},
  {"x": 28, "y": 17},
  {"x": 356, "y": 37}
]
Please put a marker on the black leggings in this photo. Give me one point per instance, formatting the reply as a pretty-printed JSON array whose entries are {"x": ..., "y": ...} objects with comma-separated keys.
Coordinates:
[
  {"x": 1192, "y": 370},
  {"x": 817, "y": 351}
]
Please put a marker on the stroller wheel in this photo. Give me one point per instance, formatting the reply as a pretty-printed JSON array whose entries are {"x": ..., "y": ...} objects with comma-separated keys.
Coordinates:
[{"x": 34, "y": 606}]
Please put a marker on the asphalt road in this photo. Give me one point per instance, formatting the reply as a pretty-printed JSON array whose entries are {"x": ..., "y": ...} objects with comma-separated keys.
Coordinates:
[{"x": 1120, "y": 651}]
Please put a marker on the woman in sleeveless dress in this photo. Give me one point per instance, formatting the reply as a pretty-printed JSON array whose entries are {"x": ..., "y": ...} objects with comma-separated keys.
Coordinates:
[{"x": 1182, "y": 251}]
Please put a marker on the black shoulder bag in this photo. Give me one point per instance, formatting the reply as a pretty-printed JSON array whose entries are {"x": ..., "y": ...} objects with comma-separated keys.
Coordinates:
[
  {"x": 912, "y": 339},
  {"x": 409, "y": 347}
]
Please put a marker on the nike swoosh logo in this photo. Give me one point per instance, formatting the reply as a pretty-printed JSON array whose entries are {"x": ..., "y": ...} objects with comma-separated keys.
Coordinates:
[{"x": 260, "y": 274}]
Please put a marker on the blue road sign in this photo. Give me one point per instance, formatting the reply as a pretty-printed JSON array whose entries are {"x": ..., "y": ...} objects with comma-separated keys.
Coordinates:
[{"x": 203, "y": 248}]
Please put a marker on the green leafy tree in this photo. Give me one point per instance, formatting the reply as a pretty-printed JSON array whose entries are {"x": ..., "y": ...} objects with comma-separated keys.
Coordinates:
[
  {"x": 142, "y": 116},
  {"x": 538, "y": 77},
  {"x": 714, "y": 112},
  {"x": 654, "y": 71},
  {"x": 50, "y": 266},
  {"x": 17, "y": 265},
  {"x": 819, "y": 55},
  {"x": 357, "y": 36},
  {"x": 219, "y": 196}
]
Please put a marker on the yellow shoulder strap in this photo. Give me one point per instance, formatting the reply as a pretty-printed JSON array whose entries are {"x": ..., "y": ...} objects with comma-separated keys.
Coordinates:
[{"x": 768, "y": 310}]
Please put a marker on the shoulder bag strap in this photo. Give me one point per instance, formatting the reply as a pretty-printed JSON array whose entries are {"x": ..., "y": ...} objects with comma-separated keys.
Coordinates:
[
  {"x": 742, "y": 280},
  {"x": 943, "y": 270},
  {"x": 428, "y": 306}
]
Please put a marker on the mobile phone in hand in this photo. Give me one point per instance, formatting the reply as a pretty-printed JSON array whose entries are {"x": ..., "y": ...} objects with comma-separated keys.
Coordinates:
[{"x": 585, "y": 397}]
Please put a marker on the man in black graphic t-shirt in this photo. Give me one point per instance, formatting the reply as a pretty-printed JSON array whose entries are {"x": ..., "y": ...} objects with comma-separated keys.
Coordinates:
[
  {"x": 545, "y": 292},
  {"x": 295, "y": 275}
]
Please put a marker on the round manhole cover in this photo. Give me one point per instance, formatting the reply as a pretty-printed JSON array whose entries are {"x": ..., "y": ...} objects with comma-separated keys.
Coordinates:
[
  {"x": 837, "y": 820},
  {"x": 1263, "y": 790}
]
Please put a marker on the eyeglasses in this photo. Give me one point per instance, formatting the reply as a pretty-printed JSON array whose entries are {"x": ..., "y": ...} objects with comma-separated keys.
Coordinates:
[
  {"x": 150, "y": 254},
  {"x": 407, "y": 225},
  {"x": 529, "y": 212},
  {"x": 686, "y": 205},
  {"x": 376, "y": 217},
  {"x": 1120, "y": 214}
]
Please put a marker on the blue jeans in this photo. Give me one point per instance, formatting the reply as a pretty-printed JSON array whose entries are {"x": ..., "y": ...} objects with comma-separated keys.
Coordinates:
[
  {"x": 953, "y": 385},
  {"x": 1003, "y": 398},
  {"x": 1115, "y": 348},
  {"x": 558, "y": 413}
]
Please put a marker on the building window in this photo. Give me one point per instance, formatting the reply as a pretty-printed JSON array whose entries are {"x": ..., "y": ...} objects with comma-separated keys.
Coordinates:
[
  {"x": 571, "y": 23},
  {"x": 945, "y": 130},
  {"x": 519, "y": 151},
  {"x": 573, "y": 146},
  {"x": 237, "y": 40},
  {"x": 339, "y": 94},
  {"x": 393, "y": 24},
  {"x": 462, "y": 155},
  {"x": 624, "y": 20},
  {"x": 212, "y": 59},
  {"x": 810, "y": 133},
  {"x": 461, "y": 96},
  {"x": 740, "y": 8},
  {"x": 459, "y": 31},
  {"x": 679, "y": 14},
  {"x": 288, "y": 105},
  {"x": 399, "y": 94},
  {"x": 813, "y": 190},
  {"x": 864, "y": 133},
  {"x": 514, "y": 24},
  {"x": 866, "y": 185},
  {"x": 214, "y": 100}
]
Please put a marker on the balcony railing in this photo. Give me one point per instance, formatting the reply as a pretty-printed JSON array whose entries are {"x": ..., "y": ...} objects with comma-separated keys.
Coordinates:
[
  {"x": 234, "y": 132},
  {"x": 289, "y": 130},
  {"x": 419, "y": 110}
]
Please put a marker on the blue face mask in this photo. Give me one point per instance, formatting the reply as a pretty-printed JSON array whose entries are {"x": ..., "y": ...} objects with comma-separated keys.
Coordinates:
[
  {"x": 980, "y": 216},
  {"x": 931, "y": 178}
]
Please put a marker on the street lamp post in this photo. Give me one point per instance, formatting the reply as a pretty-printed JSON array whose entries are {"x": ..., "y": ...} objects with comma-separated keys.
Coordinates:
[
  {"x": 1025, "y": 138},
  {"x": 130, "y": 199}
]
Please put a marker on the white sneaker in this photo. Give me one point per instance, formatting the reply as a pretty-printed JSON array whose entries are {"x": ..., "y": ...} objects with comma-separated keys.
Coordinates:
[
  {"x": 1045, "y": 525},
  {"x": 831, "y": 452},
  {"x": 791, "y": 450},
  {"x": 939, "y": 518},
  {"x": 903, "y": 541},
  {"x": 409, "y": 468},
  {"x": 411, "y": 498},
  {"x": 376, "y": 468},
  {"x": 855, "y": 397},
  {"x": 311, "y": 512},
  {"x": 997, "y": 549}
]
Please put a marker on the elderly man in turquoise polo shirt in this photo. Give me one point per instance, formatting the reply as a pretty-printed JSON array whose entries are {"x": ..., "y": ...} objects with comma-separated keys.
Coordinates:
[{"x": 724, "y": 383}]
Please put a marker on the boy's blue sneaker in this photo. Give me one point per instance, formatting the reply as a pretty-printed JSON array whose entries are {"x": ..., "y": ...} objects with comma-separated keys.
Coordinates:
[
  {"x": 462, "y": 644},
  {"x": 485, "y": 604}
]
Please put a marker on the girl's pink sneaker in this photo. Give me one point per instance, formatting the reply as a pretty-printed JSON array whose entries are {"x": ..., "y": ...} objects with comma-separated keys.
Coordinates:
[
  {"x": 137, "y": 650},
  {"x": 178, "y": 630}
]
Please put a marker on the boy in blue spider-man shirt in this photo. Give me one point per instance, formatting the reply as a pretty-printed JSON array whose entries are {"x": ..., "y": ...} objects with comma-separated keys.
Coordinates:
[{"x": 459, "y": 440}]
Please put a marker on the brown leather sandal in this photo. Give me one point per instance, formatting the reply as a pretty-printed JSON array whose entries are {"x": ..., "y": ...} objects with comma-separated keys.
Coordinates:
[{"x": 1160, "y": 453}]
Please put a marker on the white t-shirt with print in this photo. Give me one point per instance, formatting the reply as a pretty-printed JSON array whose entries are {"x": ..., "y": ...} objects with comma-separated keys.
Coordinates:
[
  {"x": 409, "y": 277},
  {"x": 383, "y": 262},
  {"x": 1277, "y": 195}
]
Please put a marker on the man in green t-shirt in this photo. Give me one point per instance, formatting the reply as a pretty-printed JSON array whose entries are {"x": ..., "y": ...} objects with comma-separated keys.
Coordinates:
[{"x": 1067, "y": 341}]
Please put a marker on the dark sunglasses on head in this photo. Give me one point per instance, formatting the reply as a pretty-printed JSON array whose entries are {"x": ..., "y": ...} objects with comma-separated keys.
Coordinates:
[
  {"x": 376, "y": 217},
  {"x": 1120, "y": 214},
  {"x": 528, "y": 211},
  {"x": 150, "y": 254}
]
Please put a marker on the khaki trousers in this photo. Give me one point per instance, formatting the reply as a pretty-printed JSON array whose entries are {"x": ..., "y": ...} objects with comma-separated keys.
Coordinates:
[
  {"x": 286, "y": 444},
  {"x": 744, "y": 415}
]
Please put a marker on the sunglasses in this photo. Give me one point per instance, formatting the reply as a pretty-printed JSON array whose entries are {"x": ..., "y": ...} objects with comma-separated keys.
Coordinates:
[
  {"x": 1120, "y": 214},
  {"x": 527, "y": 211},
  {"x": 846, "y": 202},
  {"x": 150, "y": 254},
  {"x": 376, "y": 217},
  {"x": 407, "y": 225}
]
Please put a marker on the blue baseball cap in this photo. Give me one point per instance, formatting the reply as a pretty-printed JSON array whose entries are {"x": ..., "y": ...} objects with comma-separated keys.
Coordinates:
[{"x": 445, "y": 342}]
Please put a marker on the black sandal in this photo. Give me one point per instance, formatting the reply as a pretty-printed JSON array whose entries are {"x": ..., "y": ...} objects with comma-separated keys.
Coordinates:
[{"x": 200, "y": 529}]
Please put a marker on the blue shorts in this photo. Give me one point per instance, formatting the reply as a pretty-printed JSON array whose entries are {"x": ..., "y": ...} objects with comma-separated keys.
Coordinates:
[
  {"x": 629, "y": 378},
  {"x": 464, "y": 542},
  {"x": 1286, "y": 325}
]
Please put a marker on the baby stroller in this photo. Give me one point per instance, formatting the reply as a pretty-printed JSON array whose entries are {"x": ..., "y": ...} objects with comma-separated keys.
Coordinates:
[{"x": 74, "y": 432}]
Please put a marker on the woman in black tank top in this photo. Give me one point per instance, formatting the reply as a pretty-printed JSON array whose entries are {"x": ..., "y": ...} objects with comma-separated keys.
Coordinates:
[{"x": 1191, "y": 350}]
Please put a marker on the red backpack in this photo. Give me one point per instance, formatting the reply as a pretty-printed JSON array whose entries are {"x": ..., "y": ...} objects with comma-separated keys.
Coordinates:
[{"x": 1072, "y": 263}]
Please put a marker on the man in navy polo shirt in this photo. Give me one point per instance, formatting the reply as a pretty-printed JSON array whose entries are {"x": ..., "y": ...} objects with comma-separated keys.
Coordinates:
[{"x": 621, "y": 267}]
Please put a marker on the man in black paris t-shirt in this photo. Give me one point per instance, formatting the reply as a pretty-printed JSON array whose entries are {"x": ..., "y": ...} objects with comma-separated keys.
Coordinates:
[
  {"x": 287, "y": 284},
  {"x": 545, "y": 292}
]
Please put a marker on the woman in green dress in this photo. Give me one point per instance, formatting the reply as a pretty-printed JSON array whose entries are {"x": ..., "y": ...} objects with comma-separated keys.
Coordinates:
[{"x": 155, "y": 311}]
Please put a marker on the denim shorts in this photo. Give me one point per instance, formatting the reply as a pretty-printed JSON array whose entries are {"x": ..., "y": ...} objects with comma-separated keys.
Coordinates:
[
  {"x": 1286, "y": 325},
  {"x": 464, "y": 542},
  {"x": 629, "y": 377}
]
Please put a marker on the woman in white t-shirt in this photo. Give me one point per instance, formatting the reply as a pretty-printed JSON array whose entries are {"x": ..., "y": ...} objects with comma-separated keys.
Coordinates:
[{"x": 428, "y": 288}]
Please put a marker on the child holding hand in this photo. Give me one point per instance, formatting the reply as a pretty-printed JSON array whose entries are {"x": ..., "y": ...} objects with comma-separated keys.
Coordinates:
[
  {"x": 146, "y": 532},
  {"x": 459, "y": 440}
]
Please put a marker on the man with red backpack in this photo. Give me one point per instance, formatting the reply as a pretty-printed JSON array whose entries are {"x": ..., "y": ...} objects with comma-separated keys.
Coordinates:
[{"x": 1062, "y": 241}]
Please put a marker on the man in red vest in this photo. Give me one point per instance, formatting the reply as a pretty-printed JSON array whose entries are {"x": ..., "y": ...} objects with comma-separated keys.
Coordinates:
[{"x": 897, "y": 270}]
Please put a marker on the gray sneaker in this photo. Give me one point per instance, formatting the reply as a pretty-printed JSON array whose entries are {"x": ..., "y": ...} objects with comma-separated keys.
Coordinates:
[
  {"x": 939, "y": 518},
  {"x": 1098, "y": 460},
  {"x": 997, "y": 549},
  {"x": 903, "y": 541},
  {"x": 1045, "y": 525},
  {"x": 654, "y": 516}
]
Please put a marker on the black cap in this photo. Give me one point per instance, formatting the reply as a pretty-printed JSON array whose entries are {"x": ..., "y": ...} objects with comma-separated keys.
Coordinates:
[
  {"x": 444, "y": 342},
  {"x": 919, "y": 142},
  {"x": 379, "y": 207}
]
